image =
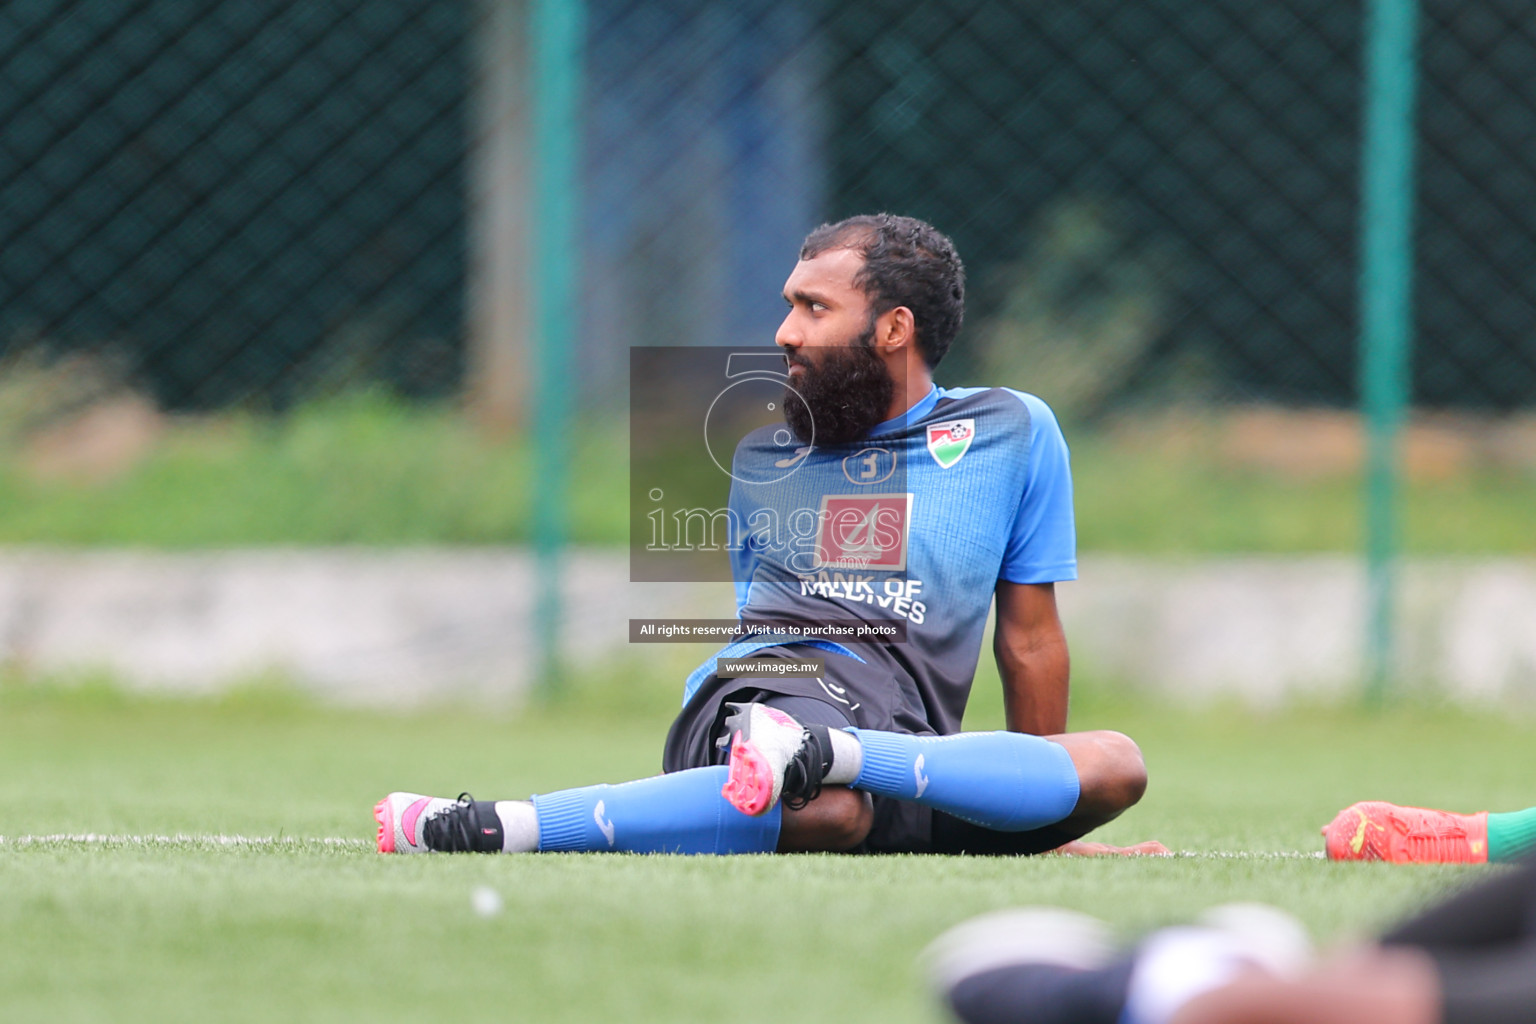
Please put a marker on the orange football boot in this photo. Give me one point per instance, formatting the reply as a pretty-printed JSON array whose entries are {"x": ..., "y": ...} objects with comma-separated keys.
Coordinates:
[{"x": 1376, "y": 830}]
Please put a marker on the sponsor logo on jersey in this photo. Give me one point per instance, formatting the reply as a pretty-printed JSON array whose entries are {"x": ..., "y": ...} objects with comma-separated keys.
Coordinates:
[
  {"x": 895, "y": 595},
  {"x": 863, "y": 531},
  {"x": 870, "y": 466},
  {"x": 948, "y": 442}
]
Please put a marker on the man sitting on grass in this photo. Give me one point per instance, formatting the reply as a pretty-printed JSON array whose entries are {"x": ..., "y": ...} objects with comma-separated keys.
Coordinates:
[{"x": 867, "y": 755}]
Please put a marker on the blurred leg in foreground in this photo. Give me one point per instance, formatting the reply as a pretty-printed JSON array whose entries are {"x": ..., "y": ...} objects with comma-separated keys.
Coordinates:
[{"x": 1469, "y": 960}]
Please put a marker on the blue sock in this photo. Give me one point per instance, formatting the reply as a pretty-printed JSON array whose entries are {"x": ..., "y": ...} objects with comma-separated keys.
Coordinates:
[
  {"x": 1007, "y": 781},
  {"x": 678, "y": 813}
]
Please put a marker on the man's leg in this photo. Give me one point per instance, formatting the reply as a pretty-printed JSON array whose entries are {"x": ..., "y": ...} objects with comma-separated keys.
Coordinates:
[
  {"x": 836, "y": 819},
  {"x": 1109, "y": 772},
  {"x": 1377, "y": 830},
  {"x": 1051, "y": 966},
  {"x": 1006, "y": 781},
  {"x": 1482, "y": 943},
  {"x": 1112, "y": 778},
  {"x": 1376, "y": 985},
  {"x": 1470, "y": 960},
  {"x": 997, "y": 781},
  {"x": 682, "y": 812},
  {"x": 1180, "y": 980},
  {"x": 1497, "y": 911}
]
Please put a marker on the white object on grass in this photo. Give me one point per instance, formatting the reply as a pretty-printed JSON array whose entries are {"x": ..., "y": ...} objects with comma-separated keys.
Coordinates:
[{"x": 486, "y": 901}]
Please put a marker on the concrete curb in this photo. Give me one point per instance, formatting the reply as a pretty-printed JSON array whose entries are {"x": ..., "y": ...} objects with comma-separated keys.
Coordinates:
[{"x": 397, "y": 627}]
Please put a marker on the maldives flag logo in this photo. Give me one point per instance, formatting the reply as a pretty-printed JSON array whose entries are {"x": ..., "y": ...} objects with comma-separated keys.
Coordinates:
[{"x": 947, "y": 442}]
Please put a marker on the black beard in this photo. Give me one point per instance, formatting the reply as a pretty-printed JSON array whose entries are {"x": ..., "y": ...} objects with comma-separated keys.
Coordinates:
[{"x": 844, "y": 396}]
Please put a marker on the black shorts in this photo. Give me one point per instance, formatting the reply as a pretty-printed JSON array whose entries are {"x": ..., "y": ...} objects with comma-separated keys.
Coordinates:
[{"x": 851, "y": 693}]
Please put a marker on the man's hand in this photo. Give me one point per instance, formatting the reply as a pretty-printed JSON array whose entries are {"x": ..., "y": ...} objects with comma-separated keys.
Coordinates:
[{"x": 1079, "y": 848}]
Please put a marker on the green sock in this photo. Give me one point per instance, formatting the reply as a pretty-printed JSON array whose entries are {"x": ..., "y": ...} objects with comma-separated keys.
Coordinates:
[{"x": 1512, "y": 834}]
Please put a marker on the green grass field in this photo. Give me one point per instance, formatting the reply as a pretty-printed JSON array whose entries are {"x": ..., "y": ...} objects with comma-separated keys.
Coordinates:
[{"x": 167, "y": 922}]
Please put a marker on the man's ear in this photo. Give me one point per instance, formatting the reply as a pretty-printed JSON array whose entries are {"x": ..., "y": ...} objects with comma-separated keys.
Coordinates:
[{"x": 897, "y": 329}]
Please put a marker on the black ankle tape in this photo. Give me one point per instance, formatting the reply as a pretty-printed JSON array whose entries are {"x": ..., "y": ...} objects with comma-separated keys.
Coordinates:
[
  {"x": 822, "y": 737},
  {"x": 487, "y": 837}
]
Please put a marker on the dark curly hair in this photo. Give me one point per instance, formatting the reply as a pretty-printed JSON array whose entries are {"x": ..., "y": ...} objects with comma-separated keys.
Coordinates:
[{"x": 907, "y": 262}]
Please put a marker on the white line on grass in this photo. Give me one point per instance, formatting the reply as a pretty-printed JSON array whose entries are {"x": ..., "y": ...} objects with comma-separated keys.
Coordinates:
[
  {"x": 1253, "y": 854},
  {"x": 180, "y": 840},
  {"x": 186, "y": 841}
]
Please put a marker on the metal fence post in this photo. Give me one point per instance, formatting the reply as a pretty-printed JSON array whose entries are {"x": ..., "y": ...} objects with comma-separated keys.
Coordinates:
[
  {"x": 556, "y": 37},
  {"x": 498, "y": 357},
  {"x": 1385, "y": 306}
]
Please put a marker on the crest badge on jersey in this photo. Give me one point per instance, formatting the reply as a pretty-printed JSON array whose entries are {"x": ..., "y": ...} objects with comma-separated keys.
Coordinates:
[{"x": 948, "y": 442}]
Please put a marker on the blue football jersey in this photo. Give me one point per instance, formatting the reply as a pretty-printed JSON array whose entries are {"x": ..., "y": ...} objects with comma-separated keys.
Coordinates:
[{"x": 917, "y": 522}]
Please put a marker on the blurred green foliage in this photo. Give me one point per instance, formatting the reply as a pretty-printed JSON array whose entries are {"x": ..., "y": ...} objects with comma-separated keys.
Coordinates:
[
  {"x": 361, "y": 468},
  {"x": 1173, "y": 503},
  {"x": 369, "y": 468}
]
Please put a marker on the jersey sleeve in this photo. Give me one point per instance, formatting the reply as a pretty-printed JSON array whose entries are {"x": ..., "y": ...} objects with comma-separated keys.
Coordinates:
[{"x": 1042, "y": 539}]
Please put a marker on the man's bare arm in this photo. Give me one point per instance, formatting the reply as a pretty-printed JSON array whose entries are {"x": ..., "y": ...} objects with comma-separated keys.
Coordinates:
[{"x": 1031, "y": 651}]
